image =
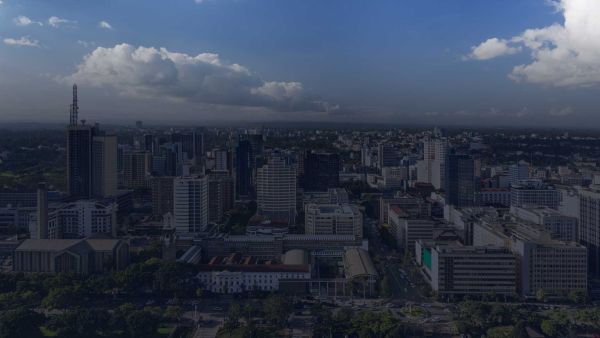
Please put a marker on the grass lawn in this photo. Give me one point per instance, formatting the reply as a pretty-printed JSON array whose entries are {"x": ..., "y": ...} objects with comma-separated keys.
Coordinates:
[
  {"x": 47, "y": 332},
  {"x": 165, "y": 331}
]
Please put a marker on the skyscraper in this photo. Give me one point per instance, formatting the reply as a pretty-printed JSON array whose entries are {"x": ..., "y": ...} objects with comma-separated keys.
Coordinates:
[
  {"x": 276, "y": 190},
  {"x": 220, "y": 195},
  {"x": 387, "y": 155},
  {"x": 136, "y": 167},
  {"x": 104, "y": 165},
  {"x": 243, "y": 170},
  {"x": 459, "y": 180},
  {"x": 79, "y": 154},
  {"x": 162, "y": 195},
  {"x": 321, "y": 171},
  {"x": 190, "y": 204}
]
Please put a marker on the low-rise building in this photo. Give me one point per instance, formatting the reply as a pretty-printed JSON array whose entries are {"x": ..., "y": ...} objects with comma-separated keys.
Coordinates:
[{"x": 333, "y": 219}]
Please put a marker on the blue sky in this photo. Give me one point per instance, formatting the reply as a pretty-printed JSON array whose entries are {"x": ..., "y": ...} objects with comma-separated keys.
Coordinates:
[{"x": 385, "y": 60}]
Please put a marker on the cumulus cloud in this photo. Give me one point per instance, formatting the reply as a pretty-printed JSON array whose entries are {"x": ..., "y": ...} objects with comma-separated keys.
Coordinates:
[
  {"x": 563, "y": 54},
  {"x": 204, "y": 78},
  {"x": 23, "y": 41},
  {"x": 492, "y": 48},
  {"x": 105, "y": 25},
  {"x": 22, "y": 20},
  {"x": 56, "y": 22}
]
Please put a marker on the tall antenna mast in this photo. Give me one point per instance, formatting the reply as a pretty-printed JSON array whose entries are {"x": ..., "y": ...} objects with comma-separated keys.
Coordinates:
[{"x": 74, "y": 106}]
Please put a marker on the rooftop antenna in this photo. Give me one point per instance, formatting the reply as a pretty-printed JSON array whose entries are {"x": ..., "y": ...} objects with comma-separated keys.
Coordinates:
[{"x": 74, "y": 107}]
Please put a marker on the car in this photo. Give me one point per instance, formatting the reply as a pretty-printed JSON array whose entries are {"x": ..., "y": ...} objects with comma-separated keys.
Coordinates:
[{"x": 217, "y": 308}]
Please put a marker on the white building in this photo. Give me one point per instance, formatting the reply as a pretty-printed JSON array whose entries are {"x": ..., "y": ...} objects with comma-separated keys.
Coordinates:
[
  {"x": 190, "y": 204},
  {"x": 556, "y": 267},
  {"x": 333, "y": 219},
  {"x": 236, "y": 274},
  {"x": 452, "y": 269},
  {"x": 560, "y": 226},
  {"x": 77, "y": 219},
  {"x": 276, "y": 190},
  {"x": 589, "y": 225},
  {"x": 534, "y": 193}
]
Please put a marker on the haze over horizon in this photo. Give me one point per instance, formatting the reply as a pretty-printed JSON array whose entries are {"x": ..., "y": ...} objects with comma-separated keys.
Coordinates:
[{"x": 510, "y": 62}]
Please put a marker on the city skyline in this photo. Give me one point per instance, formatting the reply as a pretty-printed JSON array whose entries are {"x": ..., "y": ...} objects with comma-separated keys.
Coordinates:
[{"x": 222, "y": 60}]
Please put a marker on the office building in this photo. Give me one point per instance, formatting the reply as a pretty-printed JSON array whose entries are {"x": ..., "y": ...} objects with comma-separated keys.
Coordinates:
[
  {"x": 136, "y": 169},
  {"x": 190, "y": 204},
  {"x": 79, "y": 160},
  {"x": 554, "y": 266},
  {"x": 333, "y": 219},
  {"x": 162, "y": 196},
  {"x": 561, "y": 227},
  {"x": 104, "y": 165},
  {"x": 243, "y": 170},
  {"x": 220, "y": 195},
  {"x": 387, "y": 155},
  {"x": 459, "y": 180},
  {"x": 518, "y": 172},
  {"x": 589, "y": 226},
  {"x": 452, "y": 269},
  {"x": 77, "y": 219},
  {"x": 321, "y": 171},
  {"x": 534, "y": 193},
  {"x": 276, "y": 190}
]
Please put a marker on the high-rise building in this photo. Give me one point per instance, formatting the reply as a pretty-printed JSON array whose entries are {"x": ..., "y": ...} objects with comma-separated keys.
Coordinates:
[
  {"x": 190, "y": 204},
  {"x": 333, "y": 219},
  {"x": 530, "y": 193},
  {"x": 162, "y": 196},
  {"x": 243, "y": 169},
  {"x": 104, "y": 165},
  {"x": 387, "y": 155},
  {"x": 518, "y": 172},
  {"x": 198, "y": 145},
  {"x": 276, "y": 190},
  {"x": 220, "y": 195},
  {"x": 187, "y": 141},
  {"x": 136, "y": 168},
  {"x": 321, "y": 171},
  {"x": 79, "y": 160},
  {"x": 459, "y": 180},
  {"x": 221, "y": 160},
  {"x": 589, "y": 226}
]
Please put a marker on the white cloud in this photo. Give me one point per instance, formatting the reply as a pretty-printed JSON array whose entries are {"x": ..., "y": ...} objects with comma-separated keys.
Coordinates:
[
  {"x": 203, "y": 78},
  {"x": 22, "y": 20},
  {"x": 23, "y": 41},
  {"x": 492, "y": 48},
  {"x": 565, "y": 111},
  {"x": 563, "y": 54},
  {"x": 105, "y": 25},
  {"x": 56, "y": 22},
  {"x": 86, "y": 44}
]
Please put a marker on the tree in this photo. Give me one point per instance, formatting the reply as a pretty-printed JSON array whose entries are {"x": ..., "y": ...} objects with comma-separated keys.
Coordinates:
[
  {"x": 548, "y": 328},
  {"x": 385, "y": 286},
  {"x": 62, "y": 298},
  {"x": 80, "y": 323},
  {"x": 277, "y": 310},
  {"x": 173, "y": 313},
  {"x": 20, "y": 322},
  {"x": 578, "y": 296},
  {"x": 519, "y": 330},
  {"x": 541, "y": 296},
  {"x": 233, "y": 317},
  {"x": 141, "y": 324}
]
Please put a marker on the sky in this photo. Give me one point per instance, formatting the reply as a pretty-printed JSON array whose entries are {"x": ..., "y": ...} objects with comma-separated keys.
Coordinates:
[{"x": 460, "y": 62}]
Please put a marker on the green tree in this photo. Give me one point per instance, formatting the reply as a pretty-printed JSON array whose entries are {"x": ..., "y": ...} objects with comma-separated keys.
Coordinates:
[
  {"x": 277, "y": 310},
  {"x": 173, "y": 313},
  {"x": 578, "y": 296},
  {"x": 20, "y": 322},
  {"x": 62, "y": 298},
  {"x": 141, "y": 324},
  {"x": 232, "y": 321},
  {"x": 541, "y": 296},
  {"x": 519, "y": 330},
  {"x": 386, "y": 288},
  {"x": 549, "y": 328}
]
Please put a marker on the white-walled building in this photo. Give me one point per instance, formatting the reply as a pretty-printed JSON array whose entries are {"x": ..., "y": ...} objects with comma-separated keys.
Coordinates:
[
  {"x": 190, "y": 204},
  {"x": 333, "y": 219}
]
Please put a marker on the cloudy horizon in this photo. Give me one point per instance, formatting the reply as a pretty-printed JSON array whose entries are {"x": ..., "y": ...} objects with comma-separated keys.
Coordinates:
[{"x": 511, "y": 62}]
